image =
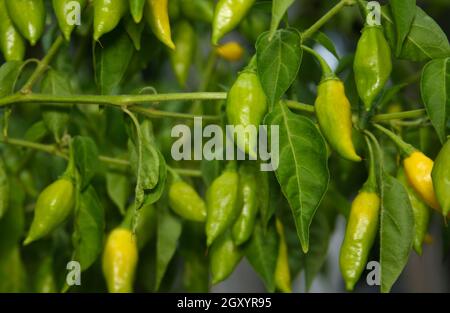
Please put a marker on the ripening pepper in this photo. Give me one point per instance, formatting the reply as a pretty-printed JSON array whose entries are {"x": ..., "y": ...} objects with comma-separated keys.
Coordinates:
[
  {"x": 224, "y": 257},
  {"x": 107, "y": 15},
  {"x": 334, "y": 114},
  {"x": 44, "y": 280},
  {"x": 441, "y": 178},
  {"x": 181, "y": 58},
  {"x": 243, "y": 227},
  {"x": 29, "y": 18},
  {"x": 230, "y": 51},
  {"x": 12, "y": 45},
  {"x": 53, "y": 206},
  {"x": 246, "y": 108},
  {"x": 227, "y": 15},
  {"x": 420, "y": 210},
  {"x": 157, "y": 16},
  {"x": 137, "y": 9},
  {"x": 120, "y": 258},
  {"x": 372, "y": 65},
  {"x": 63, "y": 9},
  {"x": 186, "y": 202},
  {"x": 222, "y": 202},
  {"x": 198, "y": 10},
  {"x": 282, "y": 273}
]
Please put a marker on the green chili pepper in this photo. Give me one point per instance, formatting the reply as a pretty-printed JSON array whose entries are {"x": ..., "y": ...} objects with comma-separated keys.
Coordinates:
[
  {"x": 282, "y": 273},
  {"x": 119, "y": 261},
  {"x": 361, "y": 229},
  {"x": 372, "y": 65},
  {"x": 62, "y": 10},
  {"x": 11, "y": 42},
  {"x": 137, "y": 9},
  {"x": 224, "y": 257},
  {"x": 29, "y": 18},
  {"x": 107, "y": 15},
  {"x": 243, "y": 227},
  {"x": 53, "y": 206},
  {"x": 181, "y": 57},
  {"x": 421, "y": 213},
  {"x": 246, "y": 107},
  {"x": 441, "y": 178},
  {"x": 185, "y": 201},
  {"x": 44, "y": 281},
  {"x": 227, "y": 15},
  {"x": 198, "y": 10},
  {"x": 222, "y": 203},
  {"x": 157, "y": 16}
]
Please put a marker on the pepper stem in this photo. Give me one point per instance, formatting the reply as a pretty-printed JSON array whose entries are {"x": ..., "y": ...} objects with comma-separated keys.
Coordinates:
[
  {"x": 371, "y": 184},
  {"x": 404, "y": 146},
  {"x": 327, "y": 72}
]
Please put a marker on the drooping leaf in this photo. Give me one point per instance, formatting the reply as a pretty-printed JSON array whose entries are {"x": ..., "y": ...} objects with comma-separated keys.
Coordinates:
[
  {"x": 435, "y": 90},
  {"x": 403, "y": 12},
  {"x": 303, "y": 166},
  {"x": 325, "y": 41},
  {"x": 118, "y": 188},
  {"x": 135, "y": 32},
  {"x": 278, "y": 61},
  {"x": 9, "y": 73},
  {"x": 279, "y": 9},
  {"x": 86, "y": 158}
]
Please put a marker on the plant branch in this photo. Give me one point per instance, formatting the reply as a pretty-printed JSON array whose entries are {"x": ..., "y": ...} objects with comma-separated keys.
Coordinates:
[
  {"x": 300, "y": 106},
  {"x": 399, "y": 115}
]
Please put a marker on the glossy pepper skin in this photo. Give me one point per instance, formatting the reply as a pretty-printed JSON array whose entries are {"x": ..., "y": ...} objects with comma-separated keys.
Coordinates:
[
  {"x": 372, "y": 65},
  {"x": 29, "y": 18},
  {"x": 334, "y": 114},
  {"x": 186, "y": 202},
  {"x": 224, "y": 257},
  {"x": 120, "y": 258},
  {"x": 227, "y": 15},
  {"x": 361, "y": 231},
  {"x": 222, "y": 204},
  {"x": 59, "y": 6},
  {"x": 418, "y": 169},
  {"x": 441, "y": 178},
  {"x": 107, "y": 15},
  {"x": 12, "y": 45},
  {"x": 282, "y": 273},
  {"x": 421, "y": 213},
  {"x": 230, "y": 51},
  {"x": 137, "y": 9},
  {"x": 181, "y": 58},
  {"x": 53, "y": 206},
  {"x": 157, "y": 16},
  {"x": 243, "y": 227},
  {"x": 246, "y": 106}
]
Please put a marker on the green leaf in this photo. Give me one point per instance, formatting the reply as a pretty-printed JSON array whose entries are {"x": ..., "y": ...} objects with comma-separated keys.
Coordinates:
[
  {"x": 118, "y": 188},
  {"x": 135, "y": 32},
  {"x": 36, "y": 132},
  {"x": 262, "y": 252},
  {"x": 396, "y": 231},
  {"x": 56, "y": 117},
  {"x": 435, "y": 90},
  {"x": 278, "y": 61},
  {"x": 4, "y": 189},
  {"x": 403, "y": 12},
  {"x": 324, "y": 40},
  {"x": 303, "y": 166},
  {"x": 111, "y": 60},
  {"x": 168, "y": 233},
  {"x": 86, "y": 158},
  {"x": 279, "y": 9},
  {"x": 9, "y": 73},
  {"x": 426, "y": 40},
  {"x": 90, "y": 226}
]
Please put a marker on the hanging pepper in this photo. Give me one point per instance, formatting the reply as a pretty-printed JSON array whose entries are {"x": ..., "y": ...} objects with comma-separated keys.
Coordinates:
[
  {"x": 157, "y": 16},
  {"x": 62, "y": 9},
  {"x": 145, "y": 223},
  {"x": 44, "y": 281},
  {"x": 420, "y": 210},
  {"x": 246, "y": 108},
  {"x": 227, "y": 15},
  {"x": 198, "y": 10},
  {"x": 137, "y": 10},
  {"x": 243, "y": 227},
  {"x": 12, "y": 44},
  {"x": 230, "y": 51},
  {"x": 224, "y": 257},
  {"x": 107, "y": 15},
  {"x": 28, "y": 16},
  {"x": 222, "y": 203},
  {"x": 417, "y": 169},
  {"x": 372, "y": 65},
  {"x": 181, "y": 58},
  {"x": 361, "y": 228},
  {"x": 441, "y": 178},
  {"x": 282, "y": 273},
  {"x": 53, "y": 206},
  {"x": 185, "y": 201},
  {"x": 119, "y": 260}
]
